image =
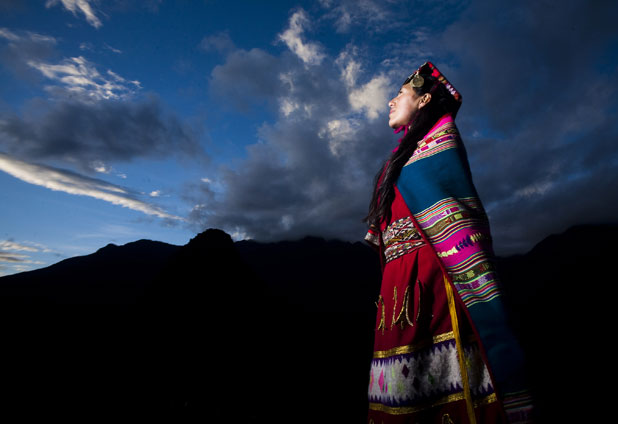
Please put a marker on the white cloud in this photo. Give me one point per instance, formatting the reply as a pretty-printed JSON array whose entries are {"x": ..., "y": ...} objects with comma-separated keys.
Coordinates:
[
  {"x": 34, "y": 37},
  {"x": 75, "y": 6},
  {"x": 8, "y": 34},
  {"x": 338, "y": 132},
  {"x": 287, "y": 106},
  {"x": 79, "y": 78},
  {"x": 12, "y": 257},
  {"x": 11, "y": 245},
  {"x": 372, "y": 97},
  {"x": 99, "y": 166},
  {"x": 114, "y": 50},
  {"x": 68, "y": 182},
  {"x": 350, "y": 68},
  {"x": 308, "y": 52},
  {"x": 537, "y": 188},
  {"x": 155, "y": 193}
]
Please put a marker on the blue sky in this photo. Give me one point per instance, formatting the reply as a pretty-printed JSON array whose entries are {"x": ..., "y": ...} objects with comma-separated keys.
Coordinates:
[{"x": 122, "y": 120}]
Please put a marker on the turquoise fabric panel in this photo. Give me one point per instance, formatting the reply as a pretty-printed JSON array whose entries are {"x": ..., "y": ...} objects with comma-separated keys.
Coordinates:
[{"x": 429, "y": 180}]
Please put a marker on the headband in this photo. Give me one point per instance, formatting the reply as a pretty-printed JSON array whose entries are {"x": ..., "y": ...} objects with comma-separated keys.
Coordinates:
[{"x": 429, "y": 69}]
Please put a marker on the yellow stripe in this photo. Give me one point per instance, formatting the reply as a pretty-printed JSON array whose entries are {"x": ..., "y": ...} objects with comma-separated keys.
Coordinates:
[
  {"x": 401, "y": 350},
  {"x": 402, "y": 410},
  {"x": 462, "y": 362}
]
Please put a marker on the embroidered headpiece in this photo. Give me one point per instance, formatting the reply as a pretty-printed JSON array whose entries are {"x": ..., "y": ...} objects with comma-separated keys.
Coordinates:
[{"x": 429, "y": 69}]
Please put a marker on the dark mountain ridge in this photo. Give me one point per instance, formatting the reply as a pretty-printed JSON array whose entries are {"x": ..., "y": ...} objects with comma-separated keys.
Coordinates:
[{"x": 193, "y": 331}]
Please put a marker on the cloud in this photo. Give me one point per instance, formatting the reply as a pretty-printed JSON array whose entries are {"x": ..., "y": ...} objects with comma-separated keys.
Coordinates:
[
  {"x": 220, "y": 42},
  {"x": 375, "y": 16},
  {"x": 247, "y": 77},
  {"x": 536, "y": 80},
  {"x": 21, "y": 47},
  {"x": 13, "y": 257},
  {"x": 90, "y": 135},
  {"x": 11, "y": 245},
  {"x": 537, "y": 112},
  {"x": 8, "y": 34},
  {"x": 75, "y": 6},
  {"x": 78, "y": 79},
  {"x": 310, "y": 171},
  {"x": 112, "y": 49},
  {"x": 309, "y": 53},
  {"x": 69, "y": 182},
  {"x": 371, "y": 97},
  {"x": 18, "y": 262}
]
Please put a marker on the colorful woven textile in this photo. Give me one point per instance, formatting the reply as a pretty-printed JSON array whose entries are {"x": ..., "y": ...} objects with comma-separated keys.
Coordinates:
[{"x": 435, "y": 196}]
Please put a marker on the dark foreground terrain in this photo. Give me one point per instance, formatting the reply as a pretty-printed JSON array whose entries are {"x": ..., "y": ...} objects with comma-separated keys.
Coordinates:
[{"x": 279, "y": 332}]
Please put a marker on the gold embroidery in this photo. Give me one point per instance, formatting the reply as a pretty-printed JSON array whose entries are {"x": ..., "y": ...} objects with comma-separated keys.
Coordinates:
[
  {"x": 478, "y": 270},
  {"x": 401, "y": 350},
  {"x": 382, "y": 324},
  {"x": 394, "y": 306},
  {"x": 473, "y": 237},
  {"x": 372, "y": 238},
  {"x": 420, "y": 290},
  {"x": 403, "y": 316},
  {"x": 486, "y": 401},
  {"x": 402, "y": 410},
  {"x": 400, "y": 238},
  {"x": 446, "y": 419},
  {"x": 411, "y": 348},
  {"x": 439, "y": 226}
]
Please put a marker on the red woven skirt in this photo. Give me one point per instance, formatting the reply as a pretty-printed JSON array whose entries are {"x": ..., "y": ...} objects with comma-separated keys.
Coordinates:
[{"x": 415, "y": 373}]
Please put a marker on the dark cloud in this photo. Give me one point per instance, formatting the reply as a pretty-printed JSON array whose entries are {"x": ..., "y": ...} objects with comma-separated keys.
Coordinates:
[
  {"x": 393, "y": 17},
  {"x": 311, "y": 171},
  {"x": 247, "y": 77},
  {"x": 18, "y": 49},
  {"x": 87, "y": 133},
  {"x": 292, "y": 185},
  {"x": 539, "y": 92},
  {"x": 539, "y": 89}
]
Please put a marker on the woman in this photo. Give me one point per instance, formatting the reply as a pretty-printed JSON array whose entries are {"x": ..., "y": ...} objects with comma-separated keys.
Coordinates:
[{"x": 440, "y": 315}]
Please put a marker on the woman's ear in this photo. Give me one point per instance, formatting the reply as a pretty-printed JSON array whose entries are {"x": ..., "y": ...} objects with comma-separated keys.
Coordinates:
[{"x": 425, "y": 98}]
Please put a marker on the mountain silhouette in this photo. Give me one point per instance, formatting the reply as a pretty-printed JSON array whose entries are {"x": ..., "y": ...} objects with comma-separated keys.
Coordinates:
[{"x": 250, "y": 331}]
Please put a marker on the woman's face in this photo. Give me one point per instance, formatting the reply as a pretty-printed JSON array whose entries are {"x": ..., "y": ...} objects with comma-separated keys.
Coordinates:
[{"x": 404, "y": 106}]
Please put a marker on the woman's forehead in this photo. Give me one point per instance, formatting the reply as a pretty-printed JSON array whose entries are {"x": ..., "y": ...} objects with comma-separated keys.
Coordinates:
[{"x": 406, "y": 88}]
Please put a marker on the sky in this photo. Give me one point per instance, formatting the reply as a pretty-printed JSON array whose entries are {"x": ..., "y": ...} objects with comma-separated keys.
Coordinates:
[{"x": 123, "y": 120}]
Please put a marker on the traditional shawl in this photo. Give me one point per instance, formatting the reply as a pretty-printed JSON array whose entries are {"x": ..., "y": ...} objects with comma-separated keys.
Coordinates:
[{"x": 436, "y": 184}]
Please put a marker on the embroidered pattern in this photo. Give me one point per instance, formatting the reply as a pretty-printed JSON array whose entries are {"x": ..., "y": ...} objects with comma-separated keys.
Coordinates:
[
  {"x": 447, "y": 399},
  {"x": 382, "y": 323},
  {"x": 411, "y": 348},
  {"x": 372, "y": 237},
  {"x": 400, "y": 238},
  {"x": 455, "y": 227},
  {"x": 467, "y": 241},
  {"x": 420, "y": 378},
  {"x": 443, "y": 138},
  {"x": 404, "y": 317}
]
